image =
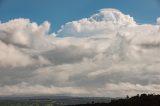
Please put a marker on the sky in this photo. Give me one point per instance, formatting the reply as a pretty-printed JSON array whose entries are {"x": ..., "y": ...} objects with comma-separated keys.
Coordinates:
[
  {"x": 58, "y": 12},
  {"x": 79, "y": 48}
]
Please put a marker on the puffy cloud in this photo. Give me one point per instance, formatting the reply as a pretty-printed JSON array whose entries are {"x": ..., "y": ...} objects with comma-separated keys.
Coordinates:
[
  {"x": 158, "y": 21},
  {"x": 102, "y": 23},
  {"x": 19, "y": 36},
  {"x": 107, "y": 52},
  {"x": 23, "y": 33},
  {"x": 11, "y": 56}
]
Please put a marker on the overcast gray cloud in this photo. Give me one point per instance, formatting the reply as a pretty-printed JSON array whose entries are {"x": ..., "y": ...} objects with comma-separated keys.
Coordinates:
[{"x": 107, "y": 54}]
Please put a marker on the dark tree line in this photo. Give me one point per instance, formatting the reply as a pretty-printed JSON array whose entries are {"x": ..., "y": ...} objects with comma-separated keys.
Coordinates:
[{"x": 138, "y": 100}]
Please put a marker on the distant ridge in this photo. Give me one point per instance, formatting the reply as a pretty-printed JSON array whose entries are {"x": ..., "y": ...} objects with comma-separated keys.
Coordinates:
[{"x": 139, "y": 100}]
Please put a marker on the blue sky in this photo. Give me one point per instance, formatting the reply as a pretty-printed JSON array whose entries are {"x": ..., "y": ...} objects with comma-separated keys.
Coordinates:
[{"x": 58, "y": 12}]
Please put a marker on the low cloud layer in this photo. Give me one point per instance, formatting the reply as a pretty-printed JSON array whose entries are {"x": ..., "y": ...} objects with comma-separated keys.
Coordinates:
[{"x": 107, "y": 54}]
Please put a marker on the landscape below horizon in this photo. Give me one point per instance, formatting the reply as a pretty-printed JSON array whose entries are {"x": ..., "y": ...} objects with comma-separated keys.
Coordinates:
[{"x": 138, "y": 100}]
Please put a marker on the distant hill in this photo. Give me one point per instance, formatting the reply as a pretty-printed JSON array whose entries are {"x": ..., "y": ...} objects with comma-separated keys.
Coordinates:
[
  {"x": 139, "y": 100},
  {"x": 50, "y": 100}
]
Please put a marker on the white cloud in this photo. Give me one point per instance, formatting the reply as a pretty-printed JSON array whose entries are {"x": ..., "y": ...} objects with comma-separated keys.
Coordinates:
[
  {"x": 107, "y": 52},
  {"x": 17, "y": 38},
  {"x": 106, "y": 21},
  {"x": 130, "y": 89},
  {"x": 23, "y": 33},
  {"x": 24, "y": 89},
  {"x": 11, "y": 56},
  {"x": 158, "y": 21}
]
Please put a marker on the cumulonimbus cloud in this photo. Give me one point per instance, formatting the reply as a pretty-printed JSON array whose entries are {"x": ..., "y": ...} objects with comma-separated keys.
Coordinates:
[{"x": 107, "y": 54}]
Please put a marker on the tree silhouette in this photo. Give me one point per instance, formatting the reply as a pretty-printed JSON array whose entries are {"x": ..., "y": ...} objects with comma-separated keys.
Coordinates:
[{"x": 138, "y": 100}]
